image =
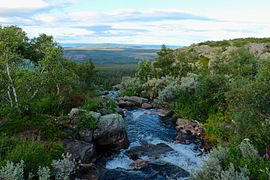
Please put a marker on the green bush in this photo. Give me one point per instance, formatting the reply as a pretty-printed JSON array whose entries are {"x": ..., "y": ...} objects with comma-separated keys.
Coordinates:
[
  {"x": 87, "y": 121},
  {"x": 93, "y": 104},
  {"x": 43, "y": 125},
  {"x": 217, "y": 128},
  {"x": 110, "y": 106},
  {"x": 45, "y": 105},
  {"x": 33, "y": 153},
  {"x": 6, "y": 144},
  {"x": 56, "y": 149}
]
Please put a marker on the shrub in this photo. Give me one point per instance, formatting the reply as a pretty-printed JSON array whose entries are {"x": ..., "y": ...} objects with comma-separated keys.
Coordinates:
[
  {"x": 44, "y": 173},
  {"x": 12, "y": 171},
  {"x": 109, "y": 106},
  {"x": 93, "y": 104},
  {"x": 33, "y": 154},
  {"x": 217, "y": 128},
  {"x": 189, "y": 83},
  {"x": 170, "y": 92},
  {"x": 86, "y": 120},
  {"x": 213, "y": 168},
  {"x": 131, "y": 87},
  {"x": 153, "y": 87},
  {"x": 55, "y": 149},
  {"x": 6, "y": 144},
  {"x": 63, "y": 168},
  {"x": 43, "y": 125}
]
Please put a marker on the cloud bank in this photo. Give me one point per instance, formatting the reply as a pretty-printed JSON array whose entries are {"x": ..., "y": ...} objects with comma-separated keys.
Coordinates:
[{"x": 151, "y": 26}]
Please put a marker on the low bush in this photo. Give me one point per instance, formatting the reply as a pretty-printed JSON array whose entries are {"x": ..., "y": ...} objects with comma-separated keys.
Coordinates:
[
  {"x": 86, "y": 120},
  {"x": 234, "y": 162},
  {"x": 93, "y": 104},
  {"x": 33, "y": 154}
]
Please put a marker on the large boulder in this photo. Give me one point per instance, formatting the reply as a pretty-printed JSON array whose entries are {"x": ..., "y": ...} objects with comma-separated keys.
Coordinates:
[
  {"x": 80, "y": 150},
  {"x": 111, "y": 133},
  {"x": 129, "y": 101}
]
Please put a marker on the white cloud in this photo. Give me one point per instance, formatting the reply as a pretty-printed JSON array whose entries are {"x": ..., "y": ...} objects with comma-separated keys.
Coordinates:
[
  {"x": 57, "y": 32},
  {"x": 152, "y": 26},
  {"x": 8, "y": 7}
]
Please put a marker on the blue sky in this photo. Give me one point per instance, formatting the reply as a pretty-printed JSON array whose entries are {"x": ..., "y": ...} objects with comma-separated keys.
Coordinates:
[{"x": 172, "y": 22}]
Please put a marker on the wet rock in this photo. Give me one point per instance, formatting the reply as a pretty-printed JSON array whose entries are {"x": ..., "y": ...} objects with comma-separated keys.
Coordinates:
[
  {"x": 125, "y": 104},
  {"x": 183, "y": 138},
  {"x": 150, "y": 150},
  {"x": 88, "y": 171},
  {"x": 122, "y": 174},
  {"x": 129, "y": 101},
  {"x": 111, "y": 133},
  {"x": 164, "y": 112},
  {"x": 147, "y": 106},
  {"x": 153, "y": 170},
  {"x": 138, "y": 164},
  {"x": 163, "y": 170},
  {"x": 80, "y": 150}
]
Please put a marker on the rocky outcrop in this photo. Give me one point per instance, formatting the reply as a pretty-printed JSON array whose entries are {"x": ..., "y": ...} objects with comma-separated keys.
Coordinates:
[
  {"x": 84, "y": 143},
  {"x": 111, "y": 133},
  {"x": 190, "y": 127},
  {"x": 191, "y": 131}
]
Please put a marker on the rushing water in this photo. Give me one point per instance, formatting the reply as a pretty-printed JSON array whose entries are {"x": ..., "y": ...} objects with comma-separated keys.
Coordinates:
[{"x": 144, "y": 126}]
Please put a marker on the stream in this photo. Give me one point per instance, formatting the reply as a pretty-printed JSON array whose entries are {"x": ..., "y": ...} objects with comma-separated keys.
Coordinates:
[{"x": 151, "y": 140}]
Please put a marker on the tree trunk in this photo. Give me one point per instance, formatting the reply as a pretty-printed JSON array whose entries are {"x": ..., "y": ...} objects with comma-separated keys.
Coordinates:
[{"x": 12, "y": 87}]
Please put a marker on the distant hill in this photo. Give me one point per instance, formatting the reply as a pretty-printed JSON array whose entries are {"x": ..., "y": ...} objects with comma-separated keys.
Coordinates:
[
  {"x": 111, "y": 53},
  {"x": 213, "y": 51}
]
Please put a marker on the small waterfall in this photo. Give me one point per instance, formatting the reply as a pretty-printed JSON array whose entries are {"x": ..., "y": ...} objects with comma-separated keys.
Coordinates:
[{"x": 145, "y": 127}]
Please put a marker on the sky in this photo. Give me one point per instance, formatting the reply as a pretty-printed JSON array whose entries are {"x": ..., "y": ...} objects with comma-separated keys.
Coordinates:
[{"x": 170, "y": 22}]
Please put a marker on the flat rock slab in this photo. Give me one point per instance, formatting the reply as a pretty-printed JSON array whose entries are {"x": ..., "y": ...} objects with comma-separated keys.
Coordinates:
[
  {"x": 164, "y": 112},
  {"x": 153, "y": 170},
  {"x": 150, "y": 150}
]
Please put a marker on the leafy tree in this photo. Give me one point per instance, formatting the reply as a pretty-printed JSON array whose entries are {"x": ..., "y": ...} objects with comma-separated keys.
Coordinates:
[{"x": 164, "y": 60}]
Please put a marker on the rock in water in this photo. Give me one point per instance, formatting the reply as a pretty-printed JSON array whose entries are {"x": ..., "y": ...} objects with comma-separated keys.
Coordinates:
[
  {"x": 111, "y": 133},
  {"x": 147, "y": 106},
  {"x": 149, "y": 150},
  {"x": 130, "y": 101},
  {"x": 153, "y": 170},
  {"x": 164, "y": 112}
]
